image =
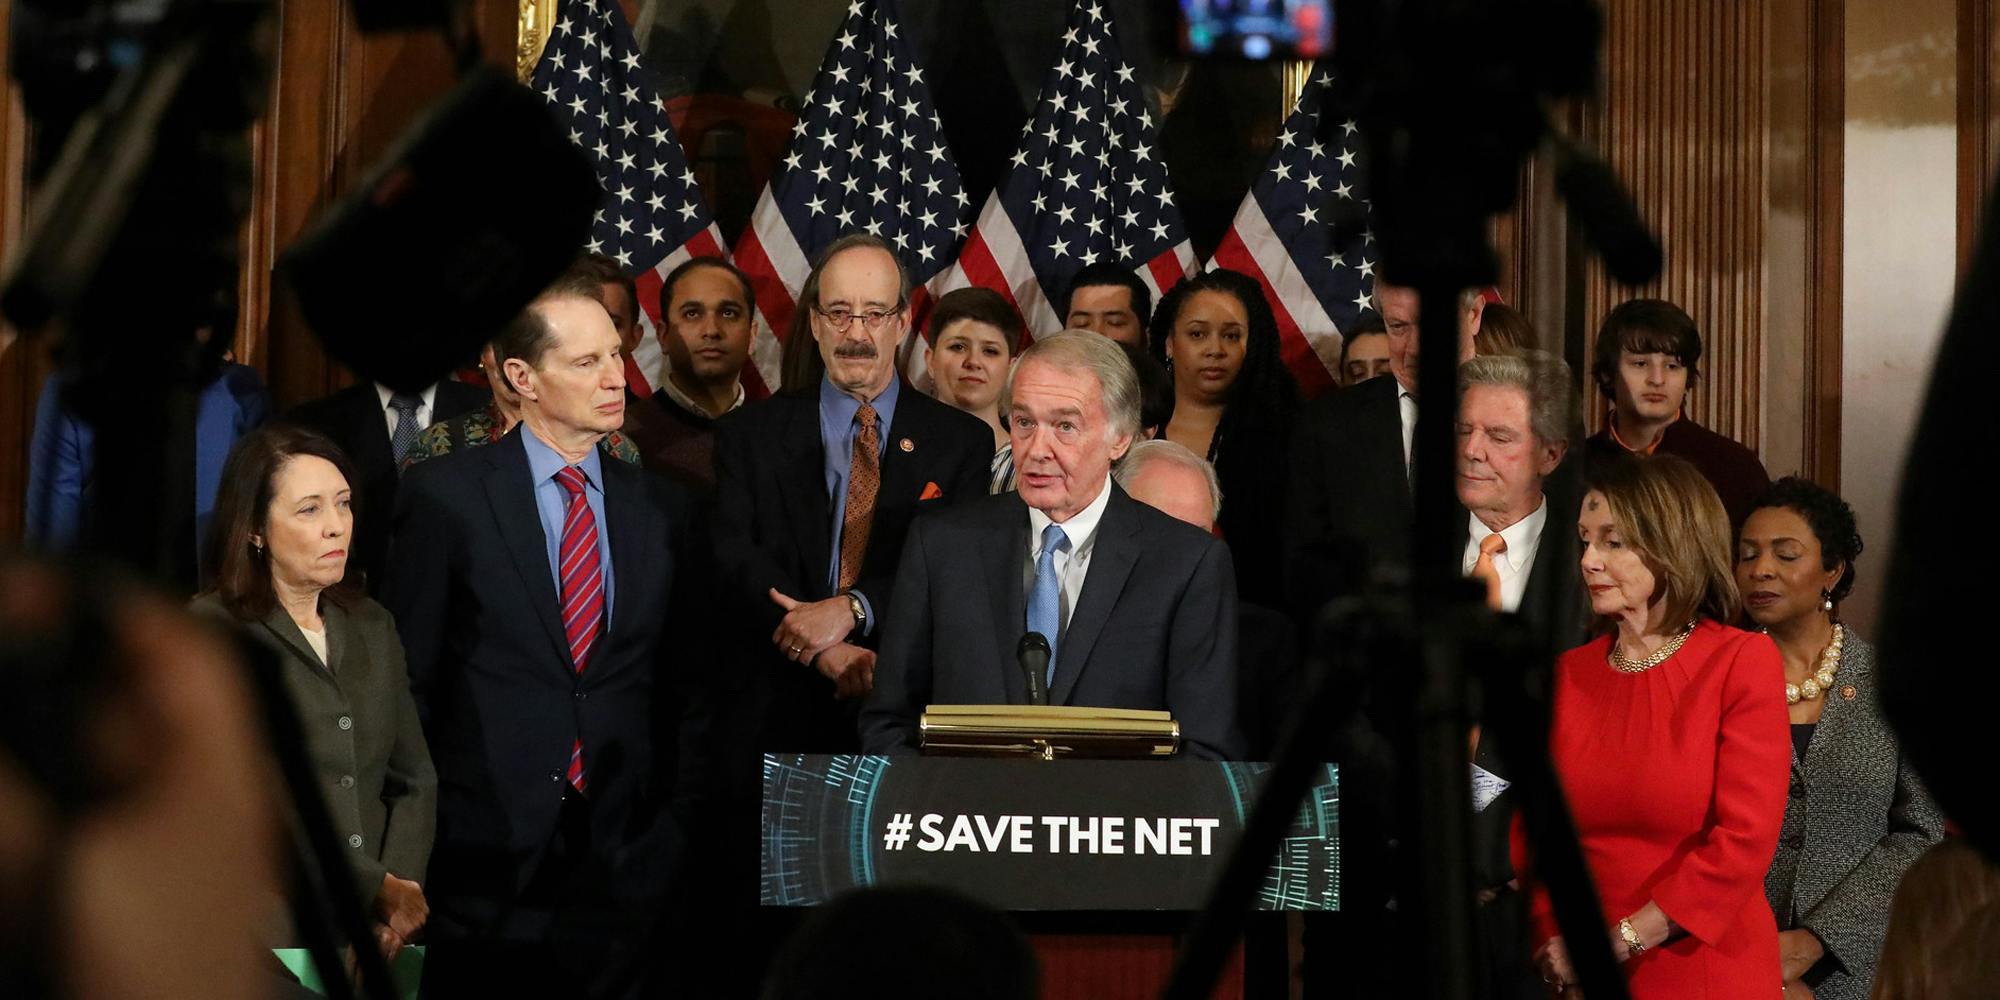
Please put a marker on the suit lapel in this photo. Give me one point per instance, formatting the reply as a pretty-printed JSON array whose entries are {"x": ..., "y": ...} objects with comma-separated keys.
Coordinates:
[
  {"x": 1387, "y": 441},
  {"x": 802, "y": 482},
  {"x": 1111, "y": 557},
  {"x": 280, "y": 625},
  {"x": 899, "y": 467},
  {"x": 1006, "y": 568},
  {"x": 371, "y": 432},
  {"x": 510, "y": 491},
  {"x": 334, "y": 620}
]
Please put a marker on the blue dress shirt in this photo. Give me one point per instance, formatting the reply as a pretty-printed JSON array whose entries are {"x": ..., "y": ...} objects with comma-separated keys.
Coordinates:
[
  {"x": 552, "y": 501},
  {"x": 838, "y": 424}
]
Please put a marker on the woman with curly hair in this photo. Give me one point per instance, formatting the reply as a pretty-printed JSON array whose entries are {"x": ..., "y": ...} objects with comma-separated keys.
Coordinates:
[
  {"x": 1234, "y": 403},
  {"x": 1857, "y": 815}
]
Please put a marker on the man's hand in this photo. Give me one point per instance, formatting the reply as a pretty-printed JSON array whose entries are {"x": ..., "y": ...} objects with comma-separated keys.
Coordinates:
[
  {"x": 1799, "y": 950},
  {"x": 810, "y": 628},
  {"x": 402, "y": 910},
  {"x": 851, "y": 668}
]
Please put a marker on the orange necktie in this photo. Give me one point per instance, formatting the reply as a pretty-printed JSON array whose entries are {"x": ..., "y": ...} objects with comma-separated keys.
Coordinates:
[
  {"x": 864, "y": 480},
  {"x": 1490, "y": 546}
]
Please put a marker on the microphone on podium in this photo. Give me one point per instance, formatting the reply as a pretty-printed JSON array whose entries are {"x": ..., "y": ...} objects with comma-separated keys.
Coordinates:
[{"x": 1033, "y": 654}]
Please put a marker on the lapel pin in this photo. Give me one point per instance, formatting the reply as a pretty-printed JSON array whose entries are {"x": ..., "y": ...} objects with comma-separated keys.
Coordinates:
[
  {"x": 907, "y": 445},
  {"x": 1847, "y": 692}
]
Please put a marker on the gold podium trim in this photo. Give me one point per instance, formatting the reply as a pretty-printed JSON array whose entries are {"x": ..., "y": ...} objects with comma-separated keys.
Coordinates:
[{"x": 1047, "y": 732}]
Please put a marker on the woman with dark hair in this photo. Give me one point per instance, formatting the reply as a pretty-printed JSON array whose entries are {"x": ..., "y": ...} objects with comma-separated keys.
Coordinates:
[
  {"x": 277, "y": 550},
  {"x": 1858, "y": 815},
  {"x": 1668, "y": 740},
  {"x": 974, "y": 335},
  {"x": 1234, "y": 403}
]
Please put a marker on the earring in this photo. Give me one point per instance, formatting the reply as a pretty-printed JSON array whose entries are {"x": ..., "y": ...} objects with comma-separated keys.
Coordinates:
[{"x": 1826, "y": 601}]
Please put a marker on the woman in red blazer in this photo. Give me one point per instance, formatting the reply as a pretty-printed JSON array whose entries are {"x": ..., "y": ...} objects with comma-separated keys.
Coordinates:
[{"x": 1670, "y": 743}]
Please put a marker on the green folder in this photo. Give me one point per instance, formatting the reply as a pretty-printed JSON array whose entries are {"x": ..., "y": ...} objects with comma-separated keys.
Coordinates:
[{"x": 407, "y": 969}]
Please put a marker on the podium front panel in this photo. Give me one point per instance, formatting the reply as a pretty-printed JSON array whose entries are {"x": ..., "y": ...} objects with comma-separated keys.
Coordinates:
[{"x": 1029, "y": 835}]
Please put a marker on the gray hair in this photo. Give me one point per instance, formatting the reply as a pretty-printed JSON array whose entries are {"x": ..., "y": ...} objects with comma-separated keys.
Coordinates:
[
  {"x": 1082, "y": 350},
  {"x": 1143, "y": 453},
  {"x": 1541, "y": 376}
]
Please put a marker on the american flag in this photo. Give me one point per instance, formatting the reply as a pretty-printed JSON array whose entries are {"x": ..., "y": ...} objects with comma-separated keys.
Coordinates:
[
  {"x": 651, "y": 217},
  {"x": 868, "y": 155},
  {"x": 1087, "y": 184},
  {"x": 1284, "y": 237}
]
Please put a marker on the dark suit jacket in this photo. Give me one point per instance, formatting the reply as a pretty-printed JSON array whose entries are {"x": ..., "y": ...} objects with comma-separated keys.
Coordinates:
[
  {"x": 489, "y": 666},
  {"x": 1155, "y": 627},
  {"x": 772, "y": 520},
  {"x": 1348, "y": 509},
  {"x": 1857, "y": 817},
  {"x": 353, "y": 418},
  {"x": 361, "y": 733}
]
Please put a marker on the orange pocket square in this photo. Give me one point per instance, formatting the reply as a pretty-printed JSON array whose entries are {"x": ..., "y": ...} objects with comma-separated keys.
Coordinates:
[{"x": 931, "y": 492}]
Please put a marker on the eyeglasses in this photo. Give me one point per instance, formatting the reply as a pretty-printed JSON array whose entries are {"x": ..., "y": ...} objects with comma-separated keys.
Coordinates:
[{"x": 840, "y": 319}]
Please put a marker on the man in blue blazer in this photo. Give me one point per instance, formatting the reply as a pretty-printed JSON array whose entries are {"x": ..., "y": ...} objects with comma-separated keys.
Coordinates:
[
  {"x": 531, "y": 585},
  {"x": 1139, "y": 609}
]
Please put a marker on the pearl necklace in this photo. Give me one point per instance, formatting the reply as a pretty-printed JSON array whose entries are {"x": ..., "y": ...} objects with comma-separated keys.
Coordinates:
[
  {"x": 1822, "y": 679},
  {"x": 1627, "y": 665}
]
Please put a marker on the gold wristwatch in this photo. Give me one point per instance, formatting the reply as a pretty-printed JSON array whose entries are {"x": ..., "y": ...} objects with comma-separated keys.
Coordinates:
[
  {"x": 860, "y": 610},
  {"x": 1631, "y": 936}
]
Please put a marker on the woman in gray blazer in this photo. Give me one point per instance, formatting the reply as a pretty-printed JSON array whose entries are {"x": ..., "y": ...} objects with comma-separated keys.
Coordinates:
[
  {"x": 1857, "y": 815},
  {"x": 277, "y": 551}
]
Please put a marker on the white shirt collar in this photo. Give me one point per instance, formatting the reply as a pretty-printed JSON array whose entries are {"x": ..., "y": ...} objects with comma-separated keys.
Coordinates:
[
  {"x": 686, "y": 402},
  {"x": 384, "y": 393},
  {"x": 1522, "y": 537},
  {"x": 1080, "y": 528}
]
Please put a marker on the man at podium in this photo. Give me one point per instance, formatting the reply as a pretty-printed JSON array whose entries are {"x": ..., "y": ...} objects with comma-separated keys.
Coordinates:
[{"x": 1137, "y": 608}]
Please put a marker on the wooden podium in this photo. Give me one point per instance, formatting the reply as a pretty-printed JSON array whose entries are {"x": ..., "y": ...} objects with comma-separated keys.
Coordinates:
[{"x": 1100, "y": 861}]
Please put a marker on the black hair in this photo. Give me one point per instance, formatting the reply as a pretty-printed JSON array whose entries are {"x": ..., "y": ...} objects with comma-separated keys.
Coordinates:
[
  {"x": 1645, "y": 326},
  {"x": 1110, "y": 273},
  {"x": 674, "y": 276},
  {"x": 1829, "y": 517}
]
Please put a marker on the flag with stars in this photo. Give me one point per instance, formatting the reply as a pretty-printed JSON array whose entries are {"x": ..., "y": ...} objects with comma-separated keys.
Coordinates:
[
  {"x": 1283, "y": 235},
  {"x": 1087, "y": 184},
  {"x": 868, "y": 155},
  {"x": 651, "y": 216}
]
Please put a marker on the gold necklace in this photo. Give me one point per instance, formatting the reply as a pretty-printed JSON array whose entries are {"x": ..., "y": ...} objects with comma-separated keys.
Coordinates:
[
  {"x": 1627, "y": 665},
  {"x": 1822, "y": 679}
]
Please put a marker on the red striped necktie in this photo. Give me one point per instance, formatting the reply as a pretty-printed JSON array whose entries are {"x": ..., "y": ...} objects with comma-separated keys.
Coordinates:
[{"x": 582, "y": 591}]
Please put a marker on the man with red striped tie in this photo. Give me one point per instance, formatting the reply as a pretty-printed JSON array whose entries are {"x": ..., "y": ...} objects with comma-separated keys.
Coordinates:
[{"x": 530, "y": 583}]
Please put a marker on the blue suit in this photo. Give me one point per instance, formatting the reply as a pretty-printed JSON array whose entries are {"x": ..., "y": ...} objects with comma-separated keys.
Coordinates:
[{"x": 62, "y": 455}]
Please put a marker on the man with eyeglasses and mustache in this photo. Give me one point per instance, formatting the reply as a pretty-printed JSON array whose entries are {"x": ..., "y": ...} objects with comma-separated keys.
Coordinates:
[{"x": 815, "y": 488}]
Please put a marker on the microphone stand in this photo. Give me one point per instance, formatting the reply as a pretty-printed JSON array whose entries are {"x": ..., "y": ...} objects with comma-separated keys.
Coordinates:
[{"x": 1448, "y": 117}]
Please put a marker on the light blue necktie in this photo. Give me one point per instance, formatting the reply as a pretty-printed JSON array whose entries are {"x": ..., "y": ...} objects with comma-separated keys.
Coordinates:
[{"x": 1045, "y": 599}]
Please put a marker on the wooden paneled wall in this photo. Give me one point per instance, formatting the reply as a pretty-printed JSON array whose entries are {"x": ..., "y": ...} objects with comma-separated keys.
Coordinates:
[
  {"x": 1978, "y": 115},
  {"x": 1683, "y": 120},
  {"x": 338, "y": 100}
]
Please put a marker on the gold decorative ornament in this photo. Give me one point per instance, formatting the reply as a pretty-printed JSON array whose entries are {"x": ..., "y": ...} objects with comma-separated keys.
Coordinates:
[
  {"x": 531, "y": 35},
  {"x": 1627, "y": 665}
]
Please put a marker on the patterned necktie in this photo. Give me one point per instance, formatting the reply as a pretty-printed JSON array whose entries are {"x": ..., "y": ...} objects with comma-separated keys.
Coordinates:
[
  {"x": 1484, "y": 570},
  {"x": 404, "y": 437},
  {"x": 864, "y": 480},
  {"x": 1045, "y": 599},
  {"x": 582, "y": 590}
]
